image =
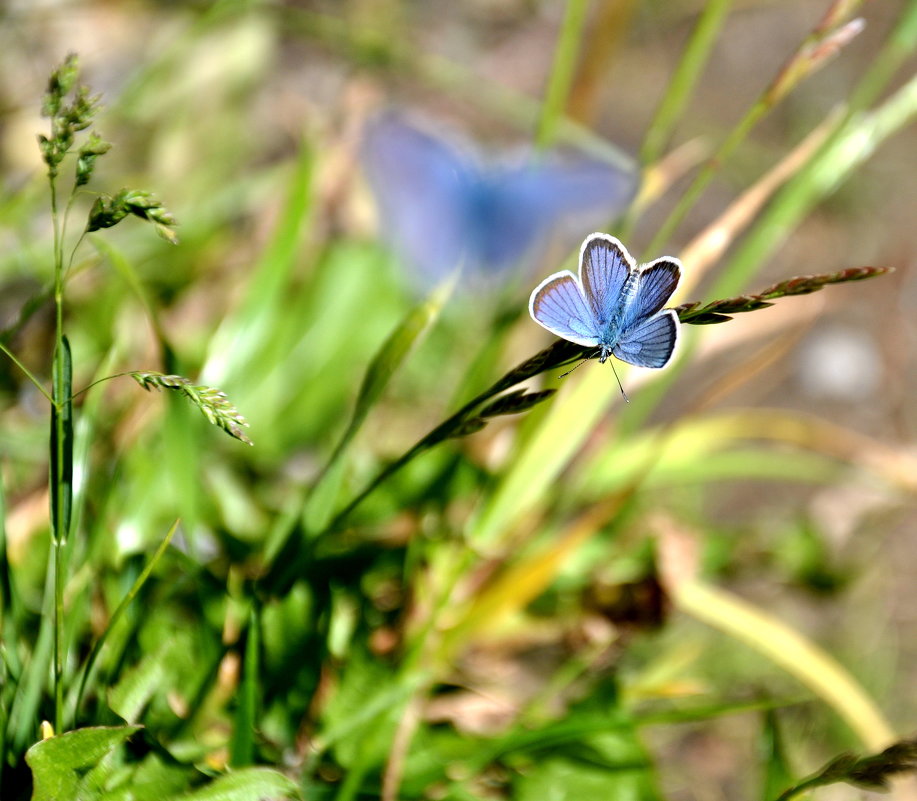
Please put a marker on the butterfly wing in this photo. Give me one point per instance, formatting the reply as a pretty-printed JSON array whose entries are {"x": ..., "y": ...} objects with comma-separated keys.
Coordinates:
[
  {"x": 604, "y": 267},
  {"x": 577, "y": 187},
  {"x": 649, "y": 343},
  {"x": 420, "y": 184},
  {"x": 527, "y": 204},
  {"x": 557, "y": 304},
  {"x": 648, "y": 335},
  {"x": 503, "y": 223},
  {"x": 656, "y": 282}
]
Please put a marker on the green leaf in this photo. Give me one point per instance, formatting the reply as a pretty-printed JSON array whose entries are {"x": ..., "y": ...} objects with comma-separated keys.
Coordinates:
[
  {"x": 245, "y": 785},
  {"x": 154, "y": 779},
  {"x": 243, "y": 735},
  {"x": 62, "y": 442},
  {"x": 67, "y": 766},
  {"x": 775, "y": 765},
  {"x": 380, "y": 371},
  {"x": 137, "y": 685},
  {"x": 569, "y": 778}
]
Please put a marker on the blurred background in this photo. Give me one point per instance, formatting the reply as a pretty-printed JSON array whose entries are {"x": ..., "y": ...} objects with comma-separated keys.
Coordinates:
[{"x": 248, "y": 120}]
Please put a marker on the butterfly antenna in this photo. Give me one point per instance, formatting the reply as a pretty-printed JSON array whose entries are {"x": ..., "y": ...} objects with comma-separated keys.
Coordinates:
[
  {"x": 564, "y": 375},
  {"x": 581, "y": 364},
  {"x": 626, "y": 399}
]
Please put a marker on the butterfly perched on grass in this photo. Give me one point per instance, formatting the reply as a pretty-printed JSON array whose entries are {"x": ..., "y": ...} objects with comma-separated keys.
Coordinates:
[
  {"x": 612, "y": 304},
  {"x": 442, "y": 205}
]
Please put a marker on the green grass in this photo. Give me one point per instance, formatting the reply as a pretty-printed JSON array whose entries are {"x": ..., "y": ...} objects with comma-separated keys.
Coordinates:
[{"x": 440, "y": 571}]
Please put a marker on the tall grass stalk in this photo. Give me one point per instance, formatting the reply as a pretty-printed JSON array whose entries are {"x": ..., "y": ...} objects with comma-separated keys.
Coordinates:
[
  {"x": 562, "y": 71},
  {"x": 61, "y": 460},
  {"x": 681, "y": 85}
]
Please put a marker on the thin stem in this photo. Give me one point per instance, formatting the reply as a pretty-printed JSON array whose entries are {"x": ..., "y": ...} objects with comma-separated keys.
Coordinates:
[
  {"x": 54, "y": 477},
  {"x": 58, "y": 246},
  {"x": 75, "y": 248},
  {"x": 559, "y": 354},
  {"x": 390, "y": 470},
  {"x": 562, "y": 71},
  {"x": 100, "y": 381},
  {"x": 27, "y": 372},
  {"x": 707, "y": 173},
  {"x": 61, "y": 458},
  {"x": 786, "y": 795},
  {"x": 63, "y": 232}
]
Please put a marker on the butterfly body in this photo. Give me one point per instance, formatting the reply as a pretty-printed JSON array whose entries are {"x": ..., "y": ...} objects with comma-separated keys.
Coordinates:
[{"x": 612, "y": 304}]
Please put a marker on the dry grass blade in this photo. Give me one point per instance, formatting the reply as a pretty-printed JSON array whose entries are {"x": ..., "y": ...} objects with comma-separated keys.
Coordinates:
[
  {"x": 707, "y": 247},
  {"x": 212, "y": 402},
  {"x": 825, "y": 42},
  {"x": 759, "y": 629}
]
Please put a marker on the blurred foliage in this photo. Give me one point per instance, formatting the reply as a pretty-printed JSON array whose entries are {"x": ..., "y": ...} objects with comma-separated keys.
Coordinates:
[{"x": 436, "y": 574}]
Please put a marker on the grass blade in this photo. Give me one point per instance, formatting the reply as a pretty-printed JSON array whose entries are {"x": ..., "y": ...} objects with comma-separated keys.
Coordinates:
[
  {"x": 851, "y": 144},
  {"x": 236, "y": 349},
  {"x": 61, "y": 494},
  {"x": 380, "y": 371},
  {"x": 126, "y": 270},
  {"x": 243, "y": 735},
  {"x": 11, "y": 667},
  {"x": 119, "y": 610},
  {"x": 680, "y": 87},
  {"x": 767, "y": 635},
  {"x": 62, "y": 443},
  {"x": 561, "y": 79},
  {"x": 777, "y": 771},
  {"x": 544, "y": 455}
]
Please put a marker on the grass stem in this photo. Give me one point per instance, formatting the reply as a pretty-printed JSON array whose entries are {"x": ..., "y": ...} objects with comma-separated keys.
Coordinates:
[{"x": 562, "y": 71}]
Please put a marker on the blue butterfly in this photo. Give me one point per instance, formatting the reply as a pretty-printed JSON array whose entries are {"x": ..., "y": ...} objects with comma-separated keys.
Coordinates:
[
  {"x": 613, "y": 305},
  {"x": 441, "y": 206}
]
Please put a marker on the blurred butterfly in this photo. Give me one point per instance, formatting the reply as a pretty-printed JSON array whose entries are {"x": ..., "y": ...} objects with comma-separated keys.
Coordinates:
[
  {"x": 442, "y": 206},
  {"x": 613, "y": 305}
]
